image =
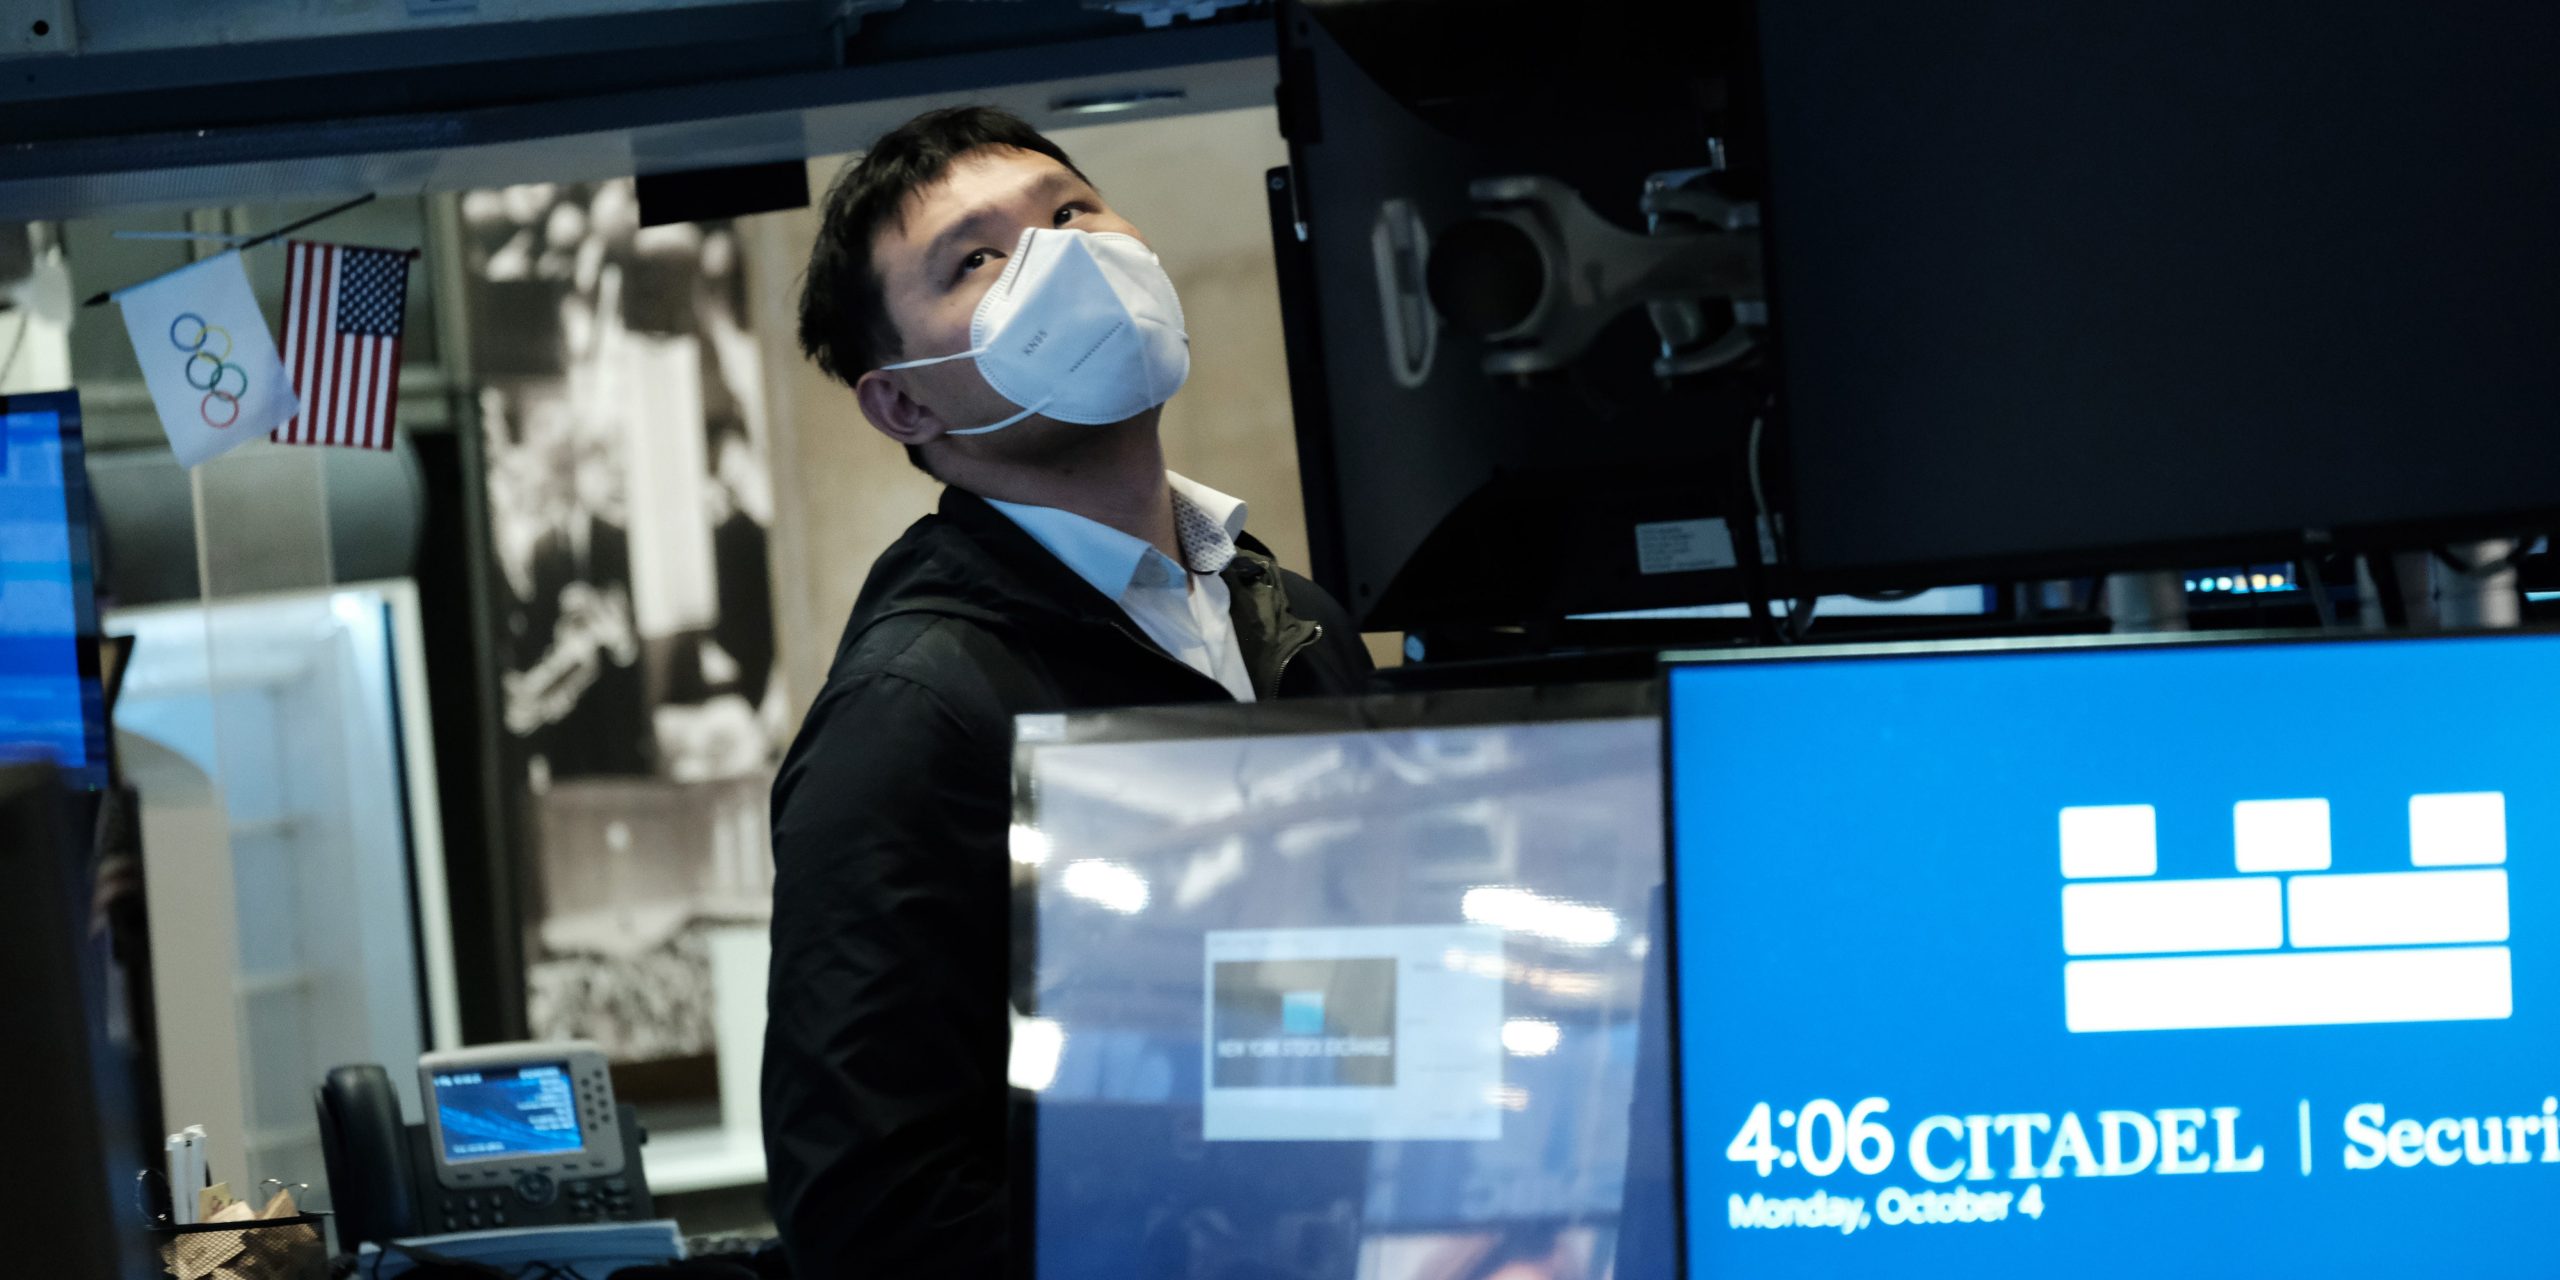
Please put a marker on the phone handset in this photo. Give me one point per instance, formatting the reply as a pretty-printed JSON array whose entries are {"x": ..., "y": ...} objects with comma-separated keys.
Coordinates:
[{"x": 365, "y": 1146}]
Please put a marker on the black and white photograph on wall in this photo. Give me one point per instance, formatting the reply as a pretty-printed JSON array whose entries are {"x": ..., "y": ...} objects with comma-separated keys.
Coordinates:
[
  {"x": 35, "y": 308},
  {"x": 630, "y": 505}
]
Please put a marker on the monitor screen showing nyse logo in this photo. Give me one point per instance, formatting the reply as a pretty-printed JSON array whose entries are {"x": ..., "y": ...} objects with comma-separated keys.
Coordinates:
[{"x": 2285, "y": 942}]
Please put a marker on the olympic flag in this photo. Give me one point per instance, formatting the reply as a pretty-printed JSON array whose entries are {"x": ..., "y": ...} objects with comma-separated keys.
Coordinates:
[
  {"x": 342, "y": 314},
  {"x": 207, "y": 357}
]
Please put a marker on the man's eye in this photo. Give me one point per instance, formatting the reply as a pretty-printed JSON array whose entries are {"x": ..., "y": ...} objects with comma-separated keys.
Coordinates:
[
  {"x": 975, "y": 260},
  {"x": 1067, "y": 213}
]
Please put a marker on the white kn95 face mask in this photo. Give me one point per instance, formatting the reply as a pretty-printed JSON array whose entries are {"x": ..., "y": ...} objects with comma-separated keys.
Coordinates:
[{"x": 1083, "y": 326}]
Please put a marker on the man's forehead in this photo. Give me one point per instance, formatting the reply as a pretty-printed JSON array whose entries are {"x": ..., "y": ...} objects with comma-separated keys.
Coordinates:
[{"x": 973, "y": 181}]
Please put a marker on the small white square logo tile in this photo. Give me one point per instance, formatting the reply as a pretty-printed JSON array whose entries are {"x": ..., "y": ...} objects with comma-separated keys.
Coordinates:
[
  {"x": 2109, "y": 840},
  {"x": 2280, "y": 835},
  {"x": 2458, "y": 829}
]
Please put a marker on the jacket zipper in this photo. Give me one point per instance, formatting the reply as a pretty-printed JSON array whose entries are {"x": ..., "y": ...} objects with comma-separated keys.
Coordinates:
[
  {"x": 1130, "y": 633},
  {"x": 1281, "y": 673},
  {"x": 1291, "y": 656}
]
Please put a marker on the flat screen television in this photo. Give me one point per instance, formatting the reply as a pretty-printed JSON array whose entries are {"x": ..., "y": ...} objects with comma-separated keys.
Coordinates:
[
  {"x": 2068, "y": 287},
  {"x": 2116, "y": 960}
]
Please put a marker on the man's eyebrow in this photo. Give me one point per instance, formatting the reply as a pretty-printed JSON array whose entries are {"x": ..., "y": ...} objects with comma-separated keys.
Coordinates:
[
  {"x": 1055, "y": 180},
  {"x": 964, "y": 228}
]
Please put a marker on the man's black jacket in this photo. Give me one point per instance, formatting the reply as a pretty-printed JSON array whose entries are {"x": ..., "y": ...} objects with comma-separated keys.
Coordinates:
[{"x": 884, "y": 1064}]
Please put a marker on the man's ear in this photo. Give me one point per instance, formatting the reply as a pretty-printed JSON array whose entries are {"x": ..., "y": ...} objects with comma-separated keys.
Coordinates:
[{"x": 897, "y": 415}]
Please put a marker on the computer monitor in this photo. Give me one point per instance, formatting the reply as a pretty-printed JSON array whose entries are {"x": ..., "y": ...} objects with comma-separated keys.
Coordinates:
[
  {"x": 1439, "y": 490},
  {"x": 2057, "y": 287},
  {"x": 2117, "y": 959},
  {"x": 51, "y": 708},
  {"x": 1342, "y": 990}
]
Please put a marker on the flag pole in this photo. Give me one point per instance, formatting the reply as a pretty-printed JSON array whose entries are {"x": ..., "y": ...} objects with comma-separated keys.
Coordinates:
[{"x": 250, "y": 243}]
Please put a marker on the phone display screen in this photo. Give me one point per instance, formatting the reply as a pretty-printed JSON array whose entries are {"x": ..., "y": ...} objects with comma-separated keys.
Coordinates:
[{"x": 491, "y": 1112}]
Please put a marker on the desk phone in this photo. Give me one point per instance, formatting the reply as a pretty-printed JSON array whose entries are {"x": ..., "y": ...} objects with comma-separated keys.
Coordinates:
[{"x": 514, "y": 1135}]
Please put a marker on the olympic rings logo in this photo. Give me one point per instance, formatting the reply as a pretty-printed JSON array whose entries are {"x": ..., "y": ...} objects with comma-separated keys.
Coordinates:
[{"x": 215, "y": 364}]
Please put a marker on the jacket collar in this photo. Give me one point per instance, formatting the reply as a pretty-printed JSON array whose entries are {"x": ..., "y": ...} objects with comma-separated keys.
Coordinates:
[
  {"x": 1012, "y": 573},
  {"x": 970, "y": 561},
  {"x": 1206, "y": 521}
]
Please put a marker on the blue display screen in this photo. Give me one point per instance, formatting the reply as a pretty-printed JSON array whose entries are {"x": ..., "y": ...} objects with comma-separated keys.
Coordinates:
[
  {"x": 508, "y": 1111},
  {"x": 2119, "y": 962},
  {"x": 49, "y": 700}
]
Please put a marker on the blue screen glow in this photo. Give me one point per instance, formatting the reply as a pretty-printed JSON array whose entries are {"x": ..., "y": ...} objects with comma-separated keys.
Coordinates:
[
  {"x": 508, "y": 1111},
  {"x": 2124, "y": 961},
  {"x": 48, "y": 709}
]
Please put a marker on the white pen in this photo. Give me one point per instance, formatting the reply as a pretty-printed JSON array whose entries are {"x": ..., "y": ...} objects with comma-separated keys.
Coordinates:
[
  {"x": 199, "y": 1172},
  {"x": 182, "y": 1209}
]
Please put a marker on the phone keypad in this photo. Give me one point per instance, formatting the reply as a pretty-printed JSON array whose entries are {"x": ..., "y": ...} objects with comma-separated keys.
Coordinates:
[
  {"x": 477, "y": 1211},
  {"x": 609, "y": 1199},
  {"x": 536, "y": 1197}
]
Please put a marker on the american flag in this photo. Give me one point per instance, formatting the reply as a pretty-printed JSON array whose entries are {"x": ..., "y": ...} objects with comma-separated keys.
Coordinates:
[{"x": 342, "y": 312}]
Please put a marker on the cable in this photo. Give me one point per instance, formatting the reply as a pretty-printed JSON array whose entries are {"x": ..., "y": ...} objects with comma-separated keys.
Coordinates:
[
  {"x": 1751, "y": 464},
  {"x": 1746, "y": 537},
  {"x": 1800, "y": 617},
  {"x": 428, "y": 1262},
  {"x": 2307, "y": 575},
  {"x": 2384, "y": 569}
]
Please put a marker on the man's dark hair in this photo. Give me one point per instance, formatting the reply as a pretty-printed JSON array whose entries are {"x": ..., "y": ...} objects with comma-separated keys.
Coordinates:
[{"x": 844, "y": 318}]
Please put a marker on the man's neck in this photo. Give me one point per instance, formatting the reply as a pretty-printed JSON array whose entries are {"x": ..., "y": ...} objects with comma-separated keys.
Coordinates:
[{"x": 1112, "y": 475}]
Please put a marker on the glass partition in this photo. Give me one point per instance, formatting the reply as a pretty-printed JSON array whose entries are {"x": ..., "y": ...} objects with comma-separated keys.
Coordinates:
[{"x": 300, "y": 712}]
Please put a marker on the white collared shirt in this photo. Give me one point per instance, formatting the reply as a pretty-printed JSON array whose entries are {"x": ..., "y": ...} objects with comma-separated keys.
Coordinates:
[{"x": 1181, "y": 608}]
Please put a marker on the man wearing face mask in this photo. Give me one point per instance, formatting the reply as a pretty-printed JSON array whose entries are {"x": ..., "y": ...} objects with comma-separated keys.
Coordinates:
[{"x": 996, "y": 317}]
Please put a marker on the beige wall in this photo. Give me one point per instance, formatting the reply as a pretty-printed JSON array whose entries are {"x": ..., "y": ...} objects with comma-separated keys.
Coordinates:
[{"x": 1194, "y": 185}]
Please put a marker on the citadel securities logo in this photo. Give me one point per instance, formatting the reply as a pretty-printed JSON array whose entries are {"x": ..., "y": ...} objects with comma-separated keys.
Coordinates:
[{"x": 2286, "y": 942}]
